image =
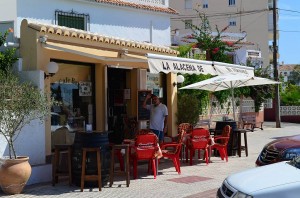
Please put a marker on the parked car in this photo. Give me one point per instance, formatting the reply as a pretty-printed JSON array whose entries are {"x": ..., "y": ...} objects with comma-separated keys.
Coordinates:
[
  {"x": 282, "y": 149},
  {"x": 276, "y": 180}
]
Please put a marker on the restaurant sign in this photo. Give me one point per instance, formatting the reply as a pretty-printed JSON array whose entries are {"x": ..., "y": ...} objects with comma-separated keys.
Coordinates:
[{"x": 166, "y": 64}]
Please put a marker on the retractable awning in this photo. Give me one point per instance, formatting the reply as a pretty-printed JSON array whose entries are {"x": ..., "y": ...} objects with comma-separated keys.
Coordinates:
[
  {"x": 104, "y": 55},
  {"x": 111, "y": 50},
  {"x": 166, "y": 64},
  {"x": 156, "y": 63}
]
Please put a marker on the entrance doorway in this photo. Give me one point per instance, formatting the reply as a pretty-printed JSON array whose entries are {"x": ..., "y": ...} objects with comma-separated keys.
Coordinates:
[{"x": 116, "y": 104}]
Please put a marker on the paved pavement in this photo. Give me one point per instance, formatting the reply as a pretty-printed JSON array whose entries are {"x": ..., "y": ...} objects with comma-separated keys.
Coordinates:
[{"x": 199, "y": 180}]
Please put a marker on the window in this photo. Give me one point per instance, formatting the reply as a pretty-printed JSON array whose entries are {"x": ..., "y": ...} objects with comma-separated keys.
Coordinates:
[
  {"x": 188, "y": 4},
  {"x": 232, "y": 22},
  {"x": 231, "y": 3},
  {"x": 188, "y": 24},
  {"x": 205, "y": 4},
  {"x": 74, "y": 96},
  {"x": 72, "y": 19},
  {"x": 270, "y": 4}
]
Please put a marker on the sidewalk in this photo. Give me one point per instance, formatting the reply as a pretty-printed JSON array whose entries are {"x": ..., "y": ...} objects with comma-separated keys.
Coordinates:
[{"x": 199, "y": 180}]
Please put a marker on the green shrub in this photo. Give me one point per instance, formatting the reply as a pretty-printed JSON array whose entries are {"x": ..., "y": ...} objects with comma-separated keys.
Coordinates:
[{"x": 188, "y": 109}]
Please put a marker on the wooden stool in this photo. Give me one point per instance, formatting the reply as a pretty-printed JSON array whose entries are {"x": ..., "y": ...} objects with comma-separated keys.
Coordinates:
[
  {"x": 239, "y": 146},
  {"x": 85, "y": 177},
  {"x": 123, "y": 172},
  {"x": 56, "y": 172}
]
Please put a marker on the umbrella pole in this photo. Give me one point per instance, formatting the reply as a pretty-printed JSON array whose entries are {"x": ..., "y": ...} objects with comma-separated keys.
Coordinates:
[{"x": 233, "y": 105}]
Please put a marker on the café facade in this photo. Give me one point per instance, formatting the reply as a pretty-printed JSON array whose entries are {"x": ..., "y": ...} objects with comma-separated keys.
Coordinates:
[{"x": 99, "y": 77}]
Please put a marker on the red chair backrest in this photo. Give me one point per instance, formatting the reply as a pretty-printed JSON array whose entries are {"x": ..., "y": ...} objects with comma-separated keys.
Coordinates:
[
  {"x": 199, "y": 133},
  {"x": 185, "y": 126},
  {"x": 226, "y": 133},
  {"x": 146, "y": 145},
  {"x": 199, "y": 138},
  {"x": 144, "y": 131},
  {"x": 181, "y": 135}
]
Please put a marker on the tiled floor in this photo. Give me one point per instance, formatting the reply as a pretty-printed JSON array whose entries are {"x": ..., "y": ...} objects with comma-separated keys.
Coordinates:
[
  {"x": 196, "y": 181},
  {"x": 189, "y": 179}
]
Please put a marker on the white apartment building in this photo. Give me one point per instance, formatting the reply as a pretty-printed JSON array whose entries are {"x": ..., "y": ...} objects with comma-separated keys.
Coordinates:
[{"x": 253, "y": 18}]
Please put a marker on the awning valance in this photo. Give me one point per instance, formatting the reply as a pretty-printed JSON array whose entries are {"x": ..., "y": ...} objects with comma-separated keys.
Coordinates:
[
  {"x": 156, "y": 63},
  {"x": 166, "y": 64}
]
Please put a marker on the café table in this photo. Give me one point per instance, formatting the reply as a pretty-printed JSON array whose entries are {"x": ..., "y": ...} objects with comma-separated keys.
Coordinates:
[
  {"x": 239, "y": 146},
  {"x": 233, "y": 139}
]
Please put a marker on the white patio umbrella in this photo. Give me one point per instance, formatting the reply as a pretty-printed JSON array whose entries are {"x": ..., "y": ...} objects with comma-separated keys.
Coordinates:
[{"x": 229, "y": 81}]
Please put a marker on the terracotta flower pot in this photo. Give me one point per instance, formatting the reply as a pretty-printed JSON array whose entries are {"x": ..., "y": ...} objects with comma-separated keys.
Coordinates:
[{"x": 14, "y": 174}]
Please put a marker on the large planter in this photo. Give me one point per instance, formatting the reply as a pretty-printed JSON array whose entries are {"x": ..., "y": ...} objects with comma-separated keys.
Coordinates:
[{"x": 14, "y": 174}]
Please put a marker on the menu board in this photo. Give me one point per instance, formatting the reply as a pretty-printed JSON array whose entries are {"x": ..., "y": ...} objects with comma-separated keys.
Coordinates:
[{"x": 143, "y": 114}]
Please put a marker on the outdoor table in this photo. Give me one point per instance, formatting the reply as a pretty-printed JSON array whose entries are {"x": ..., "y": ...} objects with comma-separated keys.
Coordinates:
[
  {"x": 91, "y": 139},
  {"x": 239, "y": 141},
  {"x": 232, "y": 143}
]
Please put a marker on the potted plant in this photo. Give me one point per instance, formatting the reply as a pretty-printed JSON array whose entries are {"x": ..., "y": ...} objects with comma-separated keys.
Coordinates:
[{"x": 20, "y": 103}]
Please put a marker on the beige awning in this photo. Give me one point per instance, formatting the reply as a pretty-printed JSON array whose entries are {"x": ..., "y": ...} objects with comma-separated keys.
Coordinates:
[
  {"x": 161, "y": 63},
  {"x": 99, "y": 54}
]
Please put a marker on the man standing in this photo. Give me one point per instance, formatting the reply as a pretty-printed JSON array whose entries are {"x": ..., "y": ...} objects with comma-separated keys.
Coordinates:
[{"x": 158, "y": 116}]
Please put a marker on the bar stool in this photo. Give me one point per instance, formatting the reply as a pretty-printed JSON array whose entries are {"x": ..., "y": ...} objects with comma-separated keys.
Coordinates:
[
  {"x": 56, "y": 172},
  {"x": 125, "y": 172},
  {"x": 85, "y": 177},
  {"x": 239, "y": 147}
]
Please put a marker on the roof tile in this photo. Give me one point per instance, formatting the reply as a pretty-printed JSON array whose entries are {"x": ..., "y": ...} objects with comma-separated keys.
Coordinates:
[{"x": 138, "y": 6}]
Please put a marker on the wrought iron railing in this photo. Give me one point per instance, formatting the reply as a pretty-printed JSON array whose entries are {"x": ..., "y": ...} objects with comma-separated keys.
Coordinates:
[{"x": 72, "y": 19}]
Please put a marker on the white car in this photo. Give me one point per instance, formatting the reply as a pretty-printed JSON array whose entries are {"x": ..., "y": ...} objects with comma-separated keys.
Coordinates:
[{"x": 279, "y": 180}]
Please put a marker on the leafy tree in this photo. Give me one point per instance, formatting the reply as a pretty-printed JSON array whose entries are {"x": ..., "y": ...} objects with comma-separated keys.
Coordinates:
[
  {"x": 8, "y": 57},
  {"x": 217, "y": 50},
  {"x": 202, "y": 37},
  {"x": 20, "y": 102},
  {"x": 291, "y": 95},
  {"x": 294, "y": 77}
]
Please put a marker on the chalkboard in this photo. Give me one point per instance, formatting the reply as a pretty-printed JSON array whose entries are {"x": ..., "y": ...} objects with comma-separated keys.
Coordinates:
[{"x": 143, "y": 114}]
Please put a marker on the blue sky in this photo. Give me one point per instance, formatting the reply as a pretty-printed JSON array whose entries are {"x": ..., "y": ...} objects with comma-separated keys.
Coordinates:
[{"x": 289, "y": 30}]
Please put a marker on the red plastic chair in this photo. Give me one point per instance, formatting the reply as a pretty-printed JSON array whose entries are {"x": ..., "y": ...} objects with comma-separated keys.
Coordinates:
[
  {"x": 221, "y": 142},
  {"x": 182, "y": 129},
  {"x": 174, "y": 153},
  {"x": 198, "y": 140},
  {"x": 145, "y": 148}
]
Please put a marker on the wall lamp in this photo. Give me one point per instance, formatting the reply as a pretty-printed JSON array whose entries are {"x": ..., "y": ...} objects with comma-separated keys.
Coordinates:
[
  {"x": 52, "y": 69},
  {"x": 180, "y": 79},
  {"x": 43, "y": 39}
]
